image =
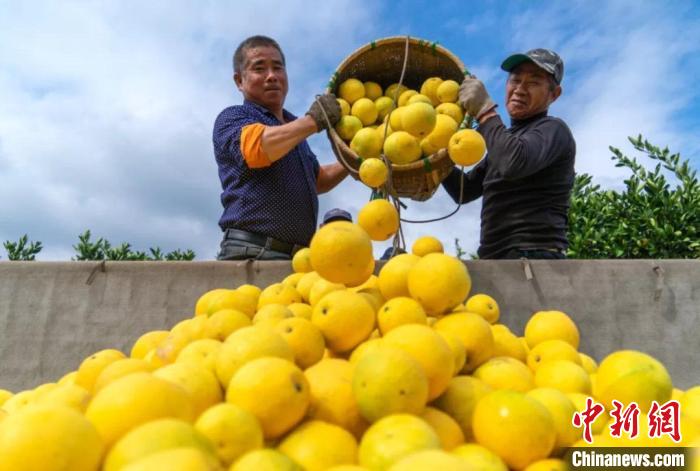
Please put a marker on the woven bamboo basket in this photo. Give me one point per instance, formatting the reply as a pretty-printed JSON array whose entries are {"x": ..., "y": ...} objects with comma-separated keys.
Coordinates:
[{"x": 382, "y": 61}]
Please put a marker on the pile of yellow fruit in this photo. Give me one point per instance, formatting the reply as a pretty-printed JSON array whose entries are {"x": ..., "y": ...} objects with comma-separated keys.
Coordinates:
[
  {"x": 417, "y": 125},
  {"x": 336, "y": 368}
]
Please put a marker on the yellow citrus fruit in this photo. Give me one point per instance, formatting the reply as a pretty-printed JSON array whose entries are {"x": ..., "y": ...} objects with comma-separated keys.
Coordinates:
[
  {"x": 306, "y": 283},
  {"x": 429, "y": 349},
  {"x": 93, "y": 365},
  {"x": 387, "y": 380},
  {"x": 201, "y": 383},
  {"x": 427, "y": 147},
  {"x": 201, "y": 307},
  {"x": 516, "y": 427},
  {"x": 485, "y": 306},
  {"x": 460, "y": 398},
  {"x": 384, "y": 106},
  {"x": 373, "y": 172},
  {"x": 119, "y": 369},
  {"x": 395, "y": 120},
  {"x": 452, "y": 110},
  {"x": 301, "y": 261},
  {"x": 372, "y": 90},
  {"x": 392, "y": 90},
  {"x": 266, "y": 459},
  {"x": 393, "y": 437},
  {"x": 321, "y": 288},
  {"x": 444, "y": 128},
  {"x": 202, "y": 352},
  {"x": 153, "y": 437},
  {"x": 549, "y": 325},
  {"x": 379, "y": 219},
  {"x": 393, "y": 277},
  {"x": 588, "y": 363},
  {"x": 147, "y": 342},
  {"x": 193, "y": 328},
  {"x": 292, "y": 279},
  {"x": 191, "y": 459},
  {"x": 347, "y": 127},
  {"x": 367, "y": 143},
  {"x": 419, "y": 98},
  {"x": 459, "y": 352},
  {"x": 364, "y": 347},
  {"x": 344, "y": 318},
  {"x": 302, "y": 310},
  {"x": 405, "y": 96},
  {"x": 690, "y": 404},
  {"x": 223, "y": 323},
  {"x": 506, "y": 344},
  {"x": 68, "y": 395},
  {"x": 430, "y": 87},
  {"x": 274, "y": 390},
  {"x": 399, "y": 311},
  {"x": 247, "y": 344},
  {"x": 365, "y": 110},
  {"x": 19, "y": 401},
  {"x": 168, "y": 350},
  {"x": 351, "y": 90},
  {"x": 418, "y": 119},
  {"x": 49, "y": 438},
  {"x": 232, "y": 430},
  {"x": 374, "y": 297},
  {"x": 447, "y": 92},
  {"x": 240, "y": 299},
  {"x": 342, "y": 253},
  {"x": 466, "y": 147},
  {"x": 271, "y": 314},
  {"x": 506, "y": 373},
  {"x": 551, "y": 350},
  {"x": 630, "y": 376},
  {"x": 475, "y": 334},
  {"x": 68, "y": 378},
  {"x": 439, "y": 282},
  {"x": 344, "y": 107},
  {"x": 250, "y": 291},
  {"x": 278, "y": 293},
  {"x": 332, "y": 399},
  {"x": 318, "y": 445},
  {"x": 447, "y": 428},
  {"x": 479, "y": 457},
  {"x": 563, "y": 375},
  {"x": 550, "y": 464},
  {"x": 562, "y": 410},
  {"x": 400, "y": 147},
  {"x": 430, "y": 459},
  {"x": 134, "y": 400},
  {"x": 425, "y": 245},
  {"x": 305, "y": 339}
]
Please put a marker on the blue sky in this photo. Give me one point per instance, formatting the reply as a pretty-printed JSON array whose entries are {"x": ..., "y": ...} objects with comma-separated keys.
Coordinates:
[{"x": 106, "y": 108}]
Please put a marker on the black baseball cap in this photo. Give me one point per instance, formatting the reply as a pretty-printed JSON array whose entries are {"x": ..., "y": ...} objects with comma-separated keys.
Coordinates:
[
  {"x": 336, "y": 214},
  {"x": 545, "y": 59}
]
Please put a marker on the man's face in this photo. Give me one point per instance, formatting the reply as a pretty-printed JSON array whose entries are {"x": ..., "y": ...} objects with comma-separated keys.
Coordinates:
[
  {"x": 529, "y": 91},
  {"x": 263, "y": 79}
]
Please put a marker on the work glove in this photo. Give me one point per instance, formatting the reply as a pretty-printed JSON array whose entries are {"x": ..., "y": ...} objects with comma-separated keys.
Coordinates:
[
  {"x": 329, "y": 103},
  {"x": 474, "y": 98}
]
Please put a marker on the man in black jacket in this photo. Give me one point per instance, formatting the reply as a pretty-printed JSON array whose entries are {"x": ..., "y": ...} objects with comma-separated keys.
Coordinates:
[{"x": 527, "y": 176}]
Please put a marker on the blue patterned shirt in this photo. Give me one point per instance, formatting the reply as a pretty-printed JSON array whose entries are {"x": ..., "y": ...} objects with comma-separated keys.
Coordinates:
[{"x": 278, "y": 201}]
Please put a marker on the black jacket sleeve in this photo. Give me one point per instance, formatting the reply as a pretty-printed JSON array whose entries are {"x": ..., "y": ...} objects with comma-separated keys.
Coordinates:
[
  {"x": 472, "y": 188},
  {"x": 518, "y": 156}
]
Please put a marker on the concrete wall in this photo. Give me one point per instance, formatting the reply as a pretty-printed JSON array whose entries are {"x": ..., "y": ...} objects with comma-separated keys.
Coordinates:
[{"x": 53, "y": 314}]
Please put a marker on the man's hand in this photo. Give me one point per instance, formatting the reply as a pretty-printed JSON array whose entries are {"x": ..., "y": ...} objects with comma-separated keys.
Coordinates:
[
  {"x": 474, "y": 98},
  {"x": 331, "y": 107}
]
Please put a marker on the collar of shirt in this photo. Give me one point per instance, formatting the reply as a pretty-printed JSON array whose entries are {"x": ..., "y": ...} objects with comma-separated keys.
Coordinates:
[
  {"x": 287, "y": 115},
  {"x": 520, "y": 122}
]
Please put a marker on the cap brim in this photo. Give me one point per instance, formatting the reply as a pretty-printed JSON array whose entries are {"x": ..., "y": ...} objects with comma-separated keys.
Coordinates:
[{"x": 513, "y": 61}]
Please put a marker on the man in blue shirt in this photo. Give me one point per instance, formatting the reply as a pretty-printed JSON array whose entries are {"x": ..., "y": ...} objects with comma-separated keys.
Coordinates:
[{"x": 269, "y": 176}]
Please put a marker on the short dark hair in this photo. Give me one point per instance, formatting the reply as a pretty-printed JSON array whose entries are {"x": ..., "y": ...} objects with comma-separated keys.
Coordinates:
[{"x": 251, "y": 42}]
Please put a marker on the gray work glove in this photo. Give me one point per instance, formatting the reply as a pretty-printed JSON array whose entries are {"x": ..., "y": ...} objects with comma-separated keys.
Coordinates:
[
  {"x": 331, "y": 107},
  {"x": 474, "y": 98}
]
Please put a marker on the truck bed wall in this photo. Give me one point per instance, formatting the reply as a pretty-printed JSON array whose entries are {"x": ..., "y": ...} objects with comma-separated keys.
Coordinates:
[{"x": 54, "y": 314}]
